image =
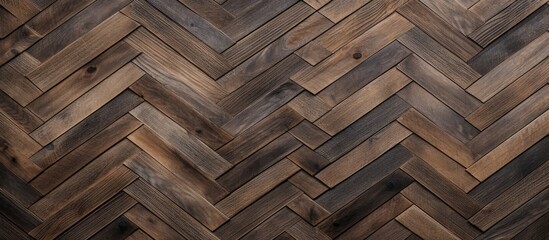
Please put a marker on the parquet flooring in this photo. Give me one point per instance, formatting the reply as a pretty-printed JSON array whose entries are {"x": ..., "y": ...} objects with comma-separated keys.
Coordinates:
[{"x": 286, "y": 119}]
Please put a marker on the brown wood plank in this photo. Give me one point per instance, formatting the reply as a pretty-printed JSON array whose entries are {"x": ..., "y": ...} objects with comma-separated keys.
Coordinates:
[
  {"x": 423, "y": 225},
  {"x": 17, "y": 86},
  {"x": 150, "y": 224}
]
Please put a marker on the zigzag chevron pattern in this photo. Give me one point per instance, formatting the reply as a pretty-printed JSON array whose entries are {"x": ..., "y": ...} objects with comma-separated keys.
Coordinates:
[{"x": 287, "y": 119}]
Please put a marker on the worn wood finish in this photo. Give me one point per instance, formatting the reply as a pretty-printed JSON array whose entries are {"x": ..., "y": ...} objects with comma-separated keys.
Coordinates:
[{"x": 287, "y": 119}]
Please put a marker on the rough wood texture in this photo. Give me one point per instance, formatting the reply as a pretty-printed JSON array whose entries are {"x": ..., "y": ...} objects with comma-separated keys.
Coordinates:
[{"x": 264, "y": 119}]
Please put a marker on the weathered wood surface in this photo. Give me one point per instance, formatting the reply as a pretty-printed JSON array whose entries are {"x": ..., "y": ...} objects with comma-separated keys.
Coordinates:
[{"x": 290, "y": 119}]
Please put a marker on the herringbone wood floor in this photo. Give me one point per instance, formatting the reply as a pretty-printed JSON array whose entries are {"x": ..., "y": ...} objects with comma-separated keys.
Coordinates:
[{"x": 286, "y": 119}]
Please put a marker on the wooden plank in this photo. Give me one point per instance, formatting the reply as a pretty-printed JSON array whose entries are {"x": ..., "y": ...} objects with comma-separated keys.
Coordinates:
[
  {"x": 339, "y": 9},
  {"x": 267, "y": 33},
  {"x": 513, "y": 198},
  {"x": 245, "y": 92},
  {"x": 182, "y": 41},
  {"x": 92, "y": 173},
  {"x": 17, "y": 86},
  {"x": 363, "y": 74},
  {"x": 17, "y": 213},
  {"x": 317, "y": 4},
  {"x": 209, "y": 10},
  {"x": 427, "y": 130},
  {"x": 362, "y": 101},
  {"x": 74, "y": 28},
  {"x": 486, "y": 9},
  {"x": 120, "y": 228},
  {"x": 273, "y": 226},
  {"x": 513, "y": 172},
  {"x": 302, "y": 230},
  {"x": 504, "y": 20},
  {"x": 508, "y": 71},
  {"x": 441, "y": 163},
  {"x": 308, "y": 160},
  {"x": 309, "y": 134},
  {"x": 309, "y": 106},
  {"x": 84, "y": 79},
  {"x": 168, "y": 211},
  {"x": 14, "y": 138},
  {"x": 345, "y": 192},
  {"x": 423, "y": 225},
  {"x": 510, "y": 97},
  {"x": 348, "y": 29},
  {"x": 262, "y": 108},
  {"x": 87, "y": 104},
  {"x": 365, "y": 203},
  {"x": 16, "y": 162},
  {"x": 535, "y": 230},
  {"x": 18, "y": 189},
  {"x": 308, "y": 209},
  {"x": 100, "y": 218},
  {"x": 258, "y": 211},
  {"x": 259, "y": 135},
  {"x": 511, "y": 41},
  {"x": 176, "y": 162},
  {"x": 256, "y": 187},
  {"x": 24, "y": 63},
  {"x": 381, "y": 216},
  {"x": 512, "y": 122},
  {"x": 17, "y": 42},
  {"x": 436, "y": 111},
  {"x": 75, "y": 55},
  {"x": 282, "y": 47},
  {"x": 84, "y": 203},
  {"x": 22, "y": 117},
  {"x": 515, "y": 222},
  {"x": 440, "y": 211},
  {"x": 261, "y": 160},
  {"x": 24, "y": 9},
  {"x": 317, "y": 78},
  {"x": 456, "y": 15},
  {"x": 511, "y": 148},
  {"x": 194, "y": 23},
  {"x": 441, "y": 187},
  {"x": 438, "y": 29},
  {"x": 56, "y": 173},
  {"x": 139, "y": 235},
  {"x": 10, "y": 229},
  {"x": 391, "y": 230},
  {"x": 170, "y": 68},
  {"x": 183, "y": 114},
  {"x": 193, "y": 149},
  {"x": 363, "y": 128},
  {"x": 176, "y": 190},
  {"x": 363, "y": 154},
  {"x": 439, "y": 85},
  {"x": 55, "y": 15},
  {"x": 151, "y": 224},
  {"x": 439, "y": 57},
  {"x": 308, "y": 184}
]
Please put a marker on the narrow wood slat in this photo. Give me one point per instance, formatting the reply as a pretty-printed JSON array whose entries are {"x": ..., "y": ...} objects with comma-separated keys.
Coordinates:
[
  {"x": 456, "y": 15},
  {"x": 273, "y": 226},
  {"x": 17, "y": 86},
  {"x": 81, "y": 51},
  {"x": 423, "y": 225},
  {"x": 308, "y": 209},
  {"x": 22, "y": 117},
  {"x": 150, "y": 224}
]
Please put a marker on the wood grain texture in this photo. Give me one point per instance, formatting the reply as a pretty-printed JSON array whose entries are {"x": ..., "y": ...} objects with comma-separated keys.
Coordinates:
[{"x": 286, "y": 120}]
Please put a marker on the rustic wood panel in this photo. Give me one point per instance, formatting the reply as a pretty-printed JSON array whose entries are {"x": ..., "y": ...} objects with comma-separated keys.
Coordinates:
[{"x": 289, "y": 119}]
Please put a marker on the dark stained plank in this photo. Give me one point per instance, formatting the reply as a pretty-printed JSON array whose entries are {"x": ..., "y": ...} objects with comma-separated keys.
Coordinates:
[
  {"x": 439, "y": 85},
  {"x": 209, "y": 10},
  {"x": 175, "y": 161},
  {"x": 436, "y": 111},
  {"x": 365, "y": 203},
  {"x": 182, "y": 41},
  {"x": 273, "y": 226},
  {"x": 24, "y": 118},
  {"x": 257, "y": 212},
  {"x": 168, "y": 211},
  {"x": 82, "y": 51},
  {"x": 309, "y": 134},
  {"x": 308, "y": 160},
  {"x": 308, "y": 184},
  {"x": 381, "y": 216},
  {"x": 17, "y": 163},
  {"x": 259, "y": 135},
  {"x": 441, "y": 187},
  {"x": 258, "y": 162},
  {"x": 75, "y": 28},
  {"x": 10, "y": 229},
  {"x": 185, "y": 115},
  {"x": 512, "y": 173},
  {"x": 89, "y": 175},
  {"x": 193, "y": 149},
  {"x": 392, "y": 230},
  {"x": 85, "y": 78},
  {"x": 345, "y": 192},
  {"x": 305, "y": 31},
  {"x": 439, "y": 30},
  {"x": 150, "y": 224},
  {"x": 18, "y": 189},
  {"x": 194, "y": 23},
  {"x": 17, "y": 86},
  {"x": 120, "y": 228},
  {"x": 364, "y": 73},
  {"x": 438, "y": 56},
  {"x": 303, "y": 230},
  {"x": 56, "y": 14},
  {"x": 17, "y": 213},
  {"x": 15, "y": 139},
  {"x": 100, "y": 218},
  {"x": 308, "y": 209},
  {"x": 84, "y": 203},
  {"x": 511, "y": 41},
  {"x": 17, "y": 42},
  {"x": 504, "y": 20},
  {"x": 536, "y": 230},
  {"x": 363, "y": 128},
  {"x": 84, "y": 130},
  {"x": 309, "y": 106}
]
